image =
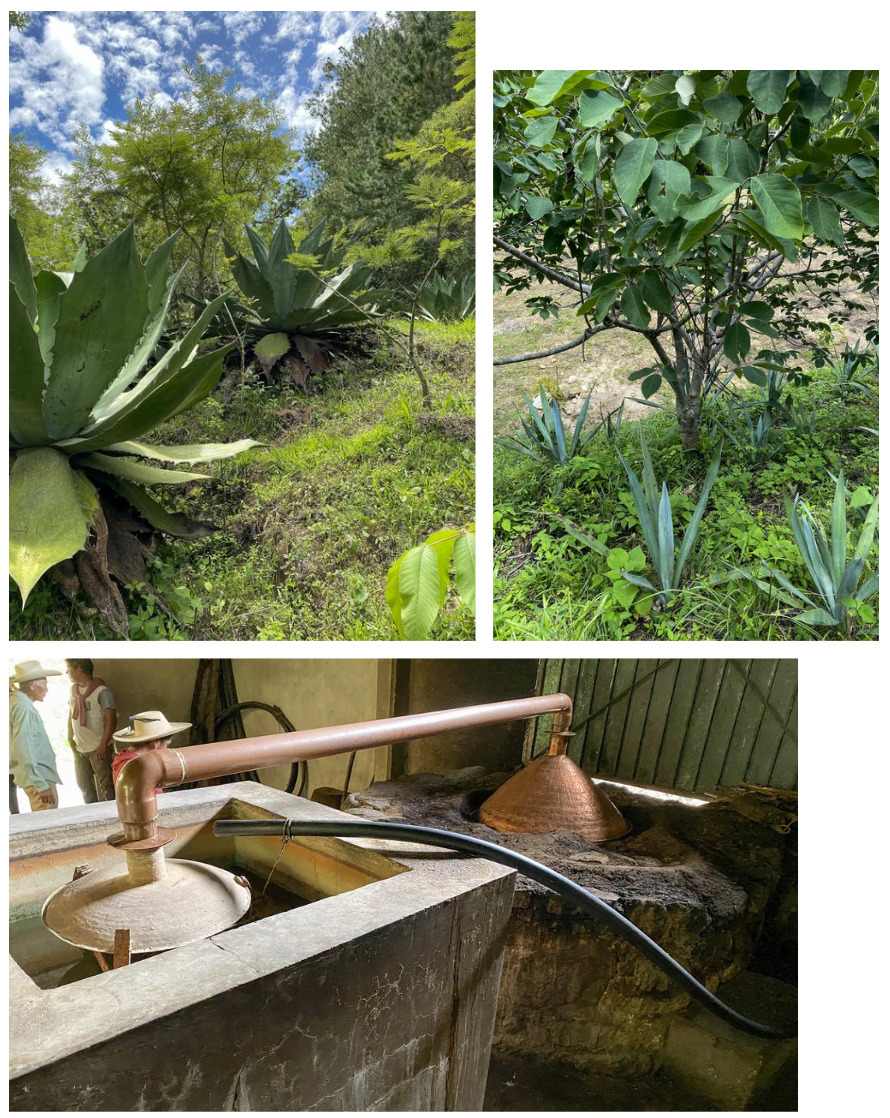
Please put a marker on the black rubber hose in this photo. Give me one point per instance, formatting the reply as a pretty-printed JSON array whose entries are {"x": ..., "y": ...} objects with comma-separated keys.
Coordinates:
[{"x": 575, "y": 894}]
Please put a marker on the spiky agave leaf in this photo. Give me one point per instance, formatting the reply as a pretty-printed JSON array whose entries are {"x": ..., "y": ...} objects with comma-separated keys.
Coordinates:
[{"x": 81, "y": 400}]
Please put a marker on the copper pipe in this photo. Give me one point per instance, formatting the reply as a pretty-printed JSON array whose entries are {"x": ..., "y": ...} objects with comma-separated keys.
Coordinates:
[{"x": 163, "y": 768}]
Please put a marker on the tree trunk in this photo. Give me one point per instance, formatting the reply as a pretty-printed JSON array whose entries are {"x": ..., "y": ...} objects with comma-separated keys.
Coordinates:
[{"x": 688, "y": 414}]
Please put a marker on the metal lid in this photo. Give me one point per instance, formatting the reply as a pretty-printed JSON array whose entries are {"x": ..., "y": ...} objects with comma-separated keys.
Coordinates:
[
  {"x": 553, "y": 794},
  {"x": 191, "y": 901}
]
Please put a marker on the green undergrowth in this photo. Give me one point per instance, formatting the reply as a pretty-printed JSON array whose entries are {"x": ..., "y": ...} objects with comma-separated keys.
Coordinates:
[
  {"x": 348, "y": 479},
  {"x": 549, "y": 586}
]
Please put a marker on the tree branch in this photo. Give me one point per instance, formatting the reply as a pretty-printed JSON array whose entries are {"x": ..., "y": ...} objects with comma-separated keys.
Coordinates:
[
  {"x": 558, "y": 349},
  {"x": 530, "y": 261}
]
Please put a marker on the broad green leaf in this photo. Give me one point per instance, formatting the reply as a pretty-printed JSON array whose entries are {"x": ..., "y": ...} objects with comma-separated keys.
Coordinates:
[
  {"x": 817, "y": 616},
  {"x": 823, "y": 217},
  {"x": 393, "y": 597},
  {"x": 633, "y": 308},
  {"x": 651, "y": 385},
  {"x": 633, "y": 166},
  {"x": 101, "y": 319},
  {"x": 419, "y": 592},
  {"x": 697, "y": 208},
  {"x": 861, "y": 205},
  {"x": 756, "y": 308},
  {"x": 671, "y": 121},
  {"x": 539, "y": 133},
  {"x": 50, "y": 512},
  {"x": 201, "y": 452},
  {"x": 814, "y": 102},
  {"x": 552, "y": 84},
  {"x": 659, "y": 86},
  {"x": 465, "y": 567},
  {"x": 723, "y": 107},
  {"x": 755, "y": 376},
  {"x": 742, "y": 161},
  {"x": 832, "y": 82},
  {"x": 655, "y": 292},
  {"x": 20, "y": 274},
  {"x": 767, "y": 89},
  {"x": 713, "y": 150},
  {"x": 271, "y": 347},
  {"x": 616, "y": 559},
  {"x": 25, "y": 376},
  {"x": 669, "y": 180},
  {"x": 693, "y": 233},
  {"x": 137, "y": 472},
  {"x": 537, "y": 206},
  {"x": 596, "y": 108},
  {"x": 443, "y": 543},
  {"x": 688, "y": 137},
  {"x": 685, "y": 88},
  {"x": 736, "y": 342},
  {"x": 779, "y": 201}
]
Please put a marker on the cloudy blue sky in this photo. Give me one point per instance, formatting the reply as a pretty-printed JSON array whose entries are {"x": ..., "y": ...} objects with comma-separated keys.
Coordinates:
[{"x": 71, "y": 68}]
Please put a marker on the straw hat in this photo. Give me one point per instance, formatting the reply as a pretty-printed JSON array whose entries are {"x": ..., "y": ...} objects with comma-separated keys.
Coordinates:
[
  {"x": 150, "y": 725},
  {"x": 30, "y": 670}
]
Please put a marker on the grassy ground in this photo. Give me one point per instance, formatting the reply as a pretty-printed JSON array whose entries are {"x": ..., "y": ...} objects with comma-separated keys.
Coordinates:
[
  {"x": 349, "y": 478},
  {"x": 548, "y": 586}
]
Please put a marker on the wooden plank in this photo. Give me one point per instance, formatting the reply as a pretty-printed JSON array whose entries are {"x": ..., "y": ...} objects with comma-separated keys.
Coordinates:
[
  {"x": 606, "y": 761},
  {"x": 784, "y": 774},
  {"x": 602, "y": 692},
  {"x": 587, "y": 674},
  {"x": 747, "y": 725},
  {"x": 707, "y": 694},
  {"x": 122, "y": 947},
  {"x": 722, "y": 725},
  {"x": 552, "y": 677},
  {"x": 656, "y": 720},
  {"x": 635, "y": 721},
  {"x": 769, "y": 737},
  {"x": 678, "y": 720}
]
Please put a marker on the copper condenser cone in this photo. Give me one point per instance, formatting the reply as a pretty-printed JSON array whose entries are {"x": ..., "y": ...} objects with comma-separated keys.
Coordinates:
[{"x": 553, "y": 794}]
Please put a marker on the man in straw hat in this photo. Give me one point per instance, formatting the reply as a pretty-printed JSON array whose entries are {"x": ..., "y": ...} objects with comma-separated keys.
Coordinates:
[
  {"x": 146, "y": 731},
  {"x": 32, "y": 763}
]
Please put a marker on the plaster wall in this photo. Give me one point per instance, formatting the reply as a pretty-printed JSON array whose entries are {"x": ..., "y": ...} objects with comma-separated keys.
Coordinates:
[{"x": 442, "y": 684}]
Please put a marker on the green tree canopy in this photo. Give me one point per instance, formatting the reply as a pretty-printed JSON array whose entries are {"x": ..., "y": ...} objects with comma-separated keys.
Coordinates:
[
  {"x": 208, "y": 163},
  {"x": 379, "y": 91},
  {"x": 689, "y": 207}
]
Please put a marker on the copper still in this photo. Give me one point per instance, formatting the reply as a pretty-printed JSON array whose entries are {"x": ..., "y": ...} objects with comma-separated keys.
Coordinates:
[{"x": 159, "y": 903}]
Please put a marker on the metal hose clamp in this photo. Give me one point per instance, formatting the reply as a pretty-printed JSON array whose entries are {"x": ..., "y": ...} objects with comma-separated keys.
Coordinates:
[{"x": 183, "y": 765}]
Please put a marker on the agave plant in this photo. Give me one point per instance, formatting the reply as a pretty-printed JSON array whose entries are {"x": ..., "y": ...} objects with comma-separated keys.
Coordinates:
[
  {"x": 657, "y": 522},
  {"x": 544, "y": 435},
  {"x": 86, "y": 385},
  {"x": 443, "y": 300},
  {"x": 292, "y": 316},
  {"x": 835, "y": 577}
]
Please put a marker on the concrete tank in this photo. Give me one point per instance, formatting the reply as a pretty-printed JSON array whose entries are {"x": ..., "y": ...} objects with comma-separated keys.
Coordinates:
[{"x": 373, "y": 988}]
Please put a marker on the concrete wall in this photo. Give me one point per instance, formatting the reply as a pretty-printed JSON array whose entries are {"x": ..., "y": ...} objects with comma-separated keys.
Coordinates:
[
  {"x": 323, "y": 692},
  {"x": 442, "y": 684},
  {"x": 381, "y": 998}
]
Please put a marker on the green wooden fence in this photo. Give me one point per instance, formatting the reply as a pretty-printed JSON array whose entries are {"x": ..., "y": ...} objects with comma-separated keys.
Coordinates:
[{"x": 685, "y": 724}]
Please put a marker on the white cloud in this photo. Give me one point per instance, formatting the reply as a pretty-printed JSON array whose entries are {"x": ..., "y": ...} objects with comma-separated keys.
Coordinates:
[
  {"x": 54, "y": 167},
  {"x": 241, "y": 25},
  {"x": 296, "y": 112},
  {"x": 61, "y": 80}
]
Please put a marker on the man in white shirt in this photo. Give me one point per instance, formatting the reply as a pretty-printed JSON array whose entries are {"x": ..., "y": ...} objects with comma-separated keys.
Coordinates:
[{"x": 92, "y": 720}]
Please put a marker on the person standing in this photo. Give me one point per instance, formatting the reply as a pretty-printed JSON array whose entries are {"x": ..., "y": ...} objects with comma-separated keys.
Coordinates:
[
  {"x": 32, "y": 762},
  {"x": 92, "y": 719}
]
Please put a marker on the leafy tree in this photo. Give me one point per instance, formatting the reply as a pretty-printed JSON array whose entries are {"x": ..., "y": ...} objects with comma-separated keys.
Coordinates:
[
  {"x": 689, "y": 207},
  {"x": 207, "y": 164},
  {"x": 379, "y": 91},
  {"x": 19, "y": 20}
]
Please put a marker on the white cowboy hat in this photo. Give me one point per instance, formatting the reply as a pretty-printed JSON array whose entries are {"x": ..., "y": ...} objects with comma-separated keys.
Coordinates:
[
  {"x": 149, "y": 726},
  {"x": 30, "y": 670}
]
